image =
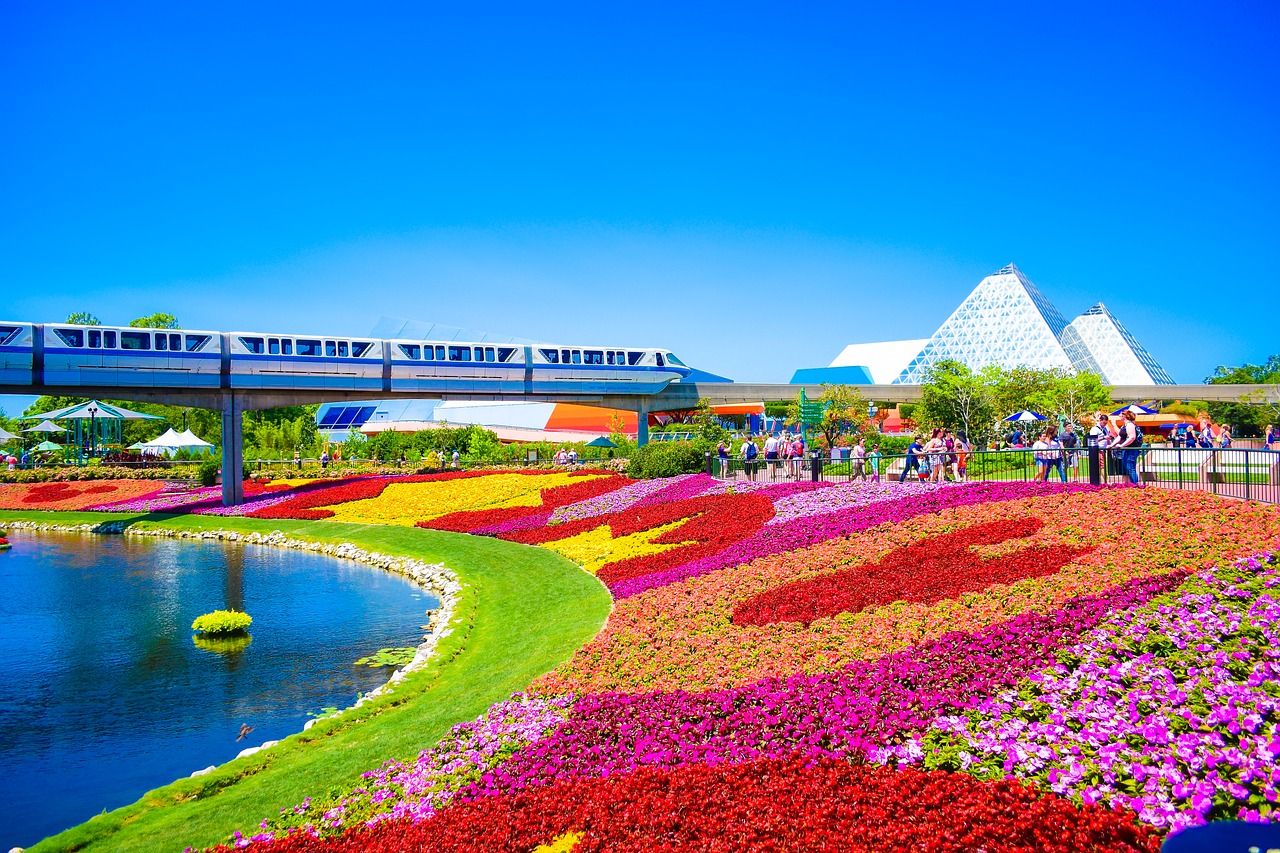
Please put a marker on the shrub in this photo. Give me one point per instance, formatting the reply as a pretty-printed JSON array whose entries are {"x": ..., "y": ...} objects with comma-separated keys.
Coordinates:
[
  {"x": 209, "y": 469},
  {"x": 668, "y": 459},
  {"x": 222, "y": 622}
]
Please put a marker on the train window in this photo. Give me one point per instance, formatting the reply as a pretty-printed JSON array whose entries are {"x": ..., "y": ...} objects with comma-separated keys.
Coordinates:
[
  {"x": 195, "y": 343},
  {"x": 273, "y": 346},
  {"x": 71, "y": 337},
  {"x": 671, "y": 357},
  {"x": 253, "y": 345},
  {"x": 552, "y": 356},
  {"x": 286, "y": 347},
  {"x": 592, "y": 356},
  {"x": 142, "y": 340},
  {"x": 622, "y": 357},
  {"x": 428, "y": 354},
  {"x": 459, "y": 353},
  {"x": 162, "y": 342},
  {"x": 633, "y": 357},
  {"x": 108, "y": 340},
  {"x": 175, "y": 343},
  {"x": 564, "y": 356},
  {"x": 657, "y": 356},
  {"x": 95, "y": 339},
  {"x": 308, "y": 347},
  {"x": 8, "y": 333},
  {"x": 577, "y": 356},
  {"x": 359, "y": 348},
  {"x": 411, "y": 350},
  {"x": 342, "y": 349},
  {"x": 504, "y": 353},
  {"x": 609, "y": 357},
  {"x": 330, "y": 349},
  {"x": 489, "y": 355},
  {"x": 440, "y": 353}
]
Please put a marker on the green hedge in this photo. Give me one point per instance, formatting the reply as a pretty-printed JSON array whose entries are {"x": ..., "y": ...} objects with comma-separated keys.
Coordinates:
[{"x": 668, "y": 459}]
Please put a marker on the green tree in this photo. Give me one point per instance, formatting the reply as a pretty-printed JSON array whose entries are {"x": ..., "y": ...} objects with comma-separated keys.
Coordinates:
[
  {"x": 156, "y": 321},
  {"x": 954, "y": 396},
  {"x": 706, "y": 423},
  {"x": 843, "y": 408},
  {"x": 83, "y": 318},
  {"x": 1253, "y": 411}
]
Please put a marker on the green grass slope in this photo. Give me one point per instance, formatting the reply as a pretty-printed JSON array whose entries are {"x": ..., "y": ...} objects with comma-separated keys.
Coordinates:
[{"x": 524, "y": 611}]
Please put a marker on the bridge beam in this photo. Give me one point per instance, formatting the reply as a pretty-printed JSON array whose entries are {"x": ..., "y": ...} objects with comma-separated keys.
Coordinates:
[
  {"x": 642, "y": 422},
  {"x": 232, "y": 449}
]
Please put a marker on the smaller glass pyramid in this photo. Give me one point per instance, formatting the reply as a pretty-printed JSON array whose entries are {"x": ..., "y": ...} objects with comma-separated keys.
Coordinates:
[{"x": 1120, "y": 359}]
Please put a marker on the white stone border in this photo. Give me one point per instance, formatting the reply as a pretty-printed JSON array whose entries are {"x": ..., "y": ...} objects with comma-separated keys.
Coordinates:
[{"x": 435, "y": 578}]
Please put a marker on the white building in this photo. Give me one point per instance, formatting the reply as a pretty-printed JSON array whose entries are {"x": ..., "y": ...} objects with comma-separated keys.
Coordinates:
[{"x": 1006, "y": 320}]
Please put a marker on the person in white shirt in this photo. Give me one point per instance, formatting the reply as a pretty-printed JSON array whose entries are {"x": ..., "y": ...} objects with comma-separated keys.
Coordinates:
[{"x": 858, "y": 463}]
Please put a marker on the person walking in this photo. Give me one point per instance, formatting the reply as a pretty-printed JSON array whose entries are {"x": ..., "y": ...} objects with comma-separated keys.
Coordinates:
[
  {"x": 913, "y": 458},
  {"x": 1271, "y": 438},
  {"x": 874, "y": 459},
  {"x": 1040, "y": 452},
  {"x": 934, "y": 455},
  {"x": 950, "y": 462},
  {"x": 749, "y": 453},
  {"x": 771, "y": 454},
  {"x": 1130, "y": 446},
  {"x": 1070, "y": 449},
  {"x": 1057, "y": 457},
  {"x": 857, "y": 465}
]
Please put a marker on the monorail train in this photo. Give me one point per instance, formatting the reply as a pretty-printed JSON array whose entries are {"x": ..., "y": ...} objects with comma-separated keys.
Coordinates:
[{"x": 111, "y": 356}]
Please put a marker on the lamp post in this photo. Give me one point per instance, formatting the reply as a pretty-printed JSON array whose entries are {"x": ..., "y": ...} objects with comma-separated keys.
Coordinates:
[{"x": 92, "y": 409}]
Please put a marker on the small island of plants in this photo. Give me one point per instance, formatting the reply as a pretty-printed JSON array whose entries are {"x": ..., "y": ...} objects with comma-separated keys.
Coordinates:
[{"x": 222, "y": 623}]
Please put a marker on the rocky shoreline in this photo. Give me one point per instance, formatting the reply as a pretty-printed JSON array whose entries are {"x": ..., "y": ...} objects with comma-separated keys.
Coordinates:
[{"x": 434, "y": 578}]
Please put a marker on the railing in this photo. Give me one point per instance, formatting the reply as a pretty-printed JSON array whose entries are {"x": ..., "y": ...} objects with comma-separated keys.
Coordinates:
[{"x": 1245, "y": 473}]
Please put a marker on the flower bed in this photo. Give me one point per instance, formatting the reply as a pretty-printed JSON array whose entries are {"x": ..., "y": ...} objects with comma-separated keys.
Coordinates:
[
  {"x": 864, "y": 666},
  {"x": 71, "y": 496}
]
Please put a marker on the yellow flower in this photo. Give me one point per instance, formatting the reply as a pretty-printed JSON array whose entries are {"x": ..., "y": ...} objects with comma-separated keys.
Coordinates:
[
  {"x": 405, "y": 504},
  {"x": 562, "y": 844},
  {"x": 595, "y": 547}
]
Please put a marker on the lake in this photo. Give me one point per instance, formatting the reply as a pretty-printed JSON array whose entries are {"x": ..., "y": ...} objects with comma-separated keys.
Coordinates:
[{"x": 105, "y": 694}]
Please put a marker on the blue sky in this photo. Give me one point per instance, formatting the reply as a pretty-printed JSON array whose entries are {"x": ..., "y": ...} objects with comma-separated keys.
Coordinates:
[{"x": 751, "y": 185}]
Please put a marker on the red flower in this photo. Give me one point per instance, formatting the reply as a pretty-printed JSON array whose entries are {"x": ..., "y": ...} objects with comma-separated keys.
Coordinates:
[
  {"x": 768, "y": 805},
  {"x": 926, "y": 572}
]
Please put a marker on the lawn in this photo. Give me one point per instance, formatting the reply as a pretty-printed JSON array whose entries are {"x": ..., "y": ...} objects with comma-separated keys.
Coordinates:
[{"x": 524, "y": 611}]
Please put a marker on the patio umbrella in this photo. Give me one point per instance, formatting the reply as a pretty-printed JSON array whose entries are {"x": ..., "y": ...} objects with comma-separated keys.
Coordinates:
[
  {"x": 46, "y": 426},
  {"x": 48, "y": 445},
  {"x": 1135, "y": 408},
  {"x": 1024, "y": 416},
  {"x": 600, "y": 442},
  {"x": 5, "y": 435}
]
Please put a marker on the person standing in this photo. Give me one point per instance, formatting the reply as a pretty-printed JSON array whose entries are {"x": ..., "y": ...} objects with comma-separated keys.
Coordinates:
[
  {"x": 1271, "y": 438},
  {"x": 934, "y": 455},
  {"x": 874, "y": 458},
  {"x": 913, "y": 458},
  {"x": 722, "y": 453},
  {"x": 963, "y": 449},
  {"x": 950, "y": 462},
  {"x": 1130, "y": 446},
  {"x": 1224, "y": 436},
  {"x": 1070, "y": 449},
  {"x": 771, "y": 454}
]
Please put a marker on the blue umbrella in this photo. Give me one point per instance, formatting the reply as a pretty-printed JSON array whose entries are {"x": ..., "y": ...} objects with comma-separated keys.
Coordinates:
[
  {"x": 1025, "y": 415},
  {"x": 1135, "y": 408}
]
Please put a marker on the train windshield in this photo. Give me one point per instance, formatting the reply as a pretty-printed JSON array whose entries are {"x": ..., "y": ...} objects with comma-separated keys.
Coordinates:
[
  {"x": 195, "y": 343},
  {"x": 8, "y": 333},
  {"x": 671, "y": 359}
]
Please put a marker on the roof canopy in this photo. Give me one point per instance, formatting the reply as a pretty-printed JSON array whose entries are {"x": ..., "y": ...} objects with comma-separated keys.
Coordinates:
[
  {"x": 172, "y": 440},
  {"x": 94, "y": 409},
  {"x": 46, "y": 426},
  {"x": 5, "y": 435}
]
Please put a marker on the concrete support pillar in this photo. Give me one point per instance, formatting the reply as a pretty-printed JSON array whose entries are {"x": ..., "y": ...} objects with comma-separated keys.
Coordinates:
[
  {"x": 232, "y": 449},
  {"x": 642, "y": 423}
]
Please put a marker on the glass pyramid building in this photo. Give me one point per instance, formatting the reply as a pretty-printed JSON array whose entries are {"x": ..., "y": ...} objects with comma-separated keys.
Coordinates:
[
  {"x": 1006, "y": 320},
  {"x": 1120, "y": 359}
]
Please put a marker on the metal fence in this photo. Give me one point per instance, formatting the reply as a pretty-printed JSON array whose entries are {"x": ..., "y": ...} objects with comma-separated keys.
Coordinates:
[{"x": 1245, "y": 473}]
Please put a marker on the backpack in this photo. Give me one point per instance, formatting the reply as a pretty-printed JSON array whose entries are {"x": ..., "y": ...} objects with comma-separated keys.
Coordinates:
[
  {"x": 751, "y": 450},
  {"x": 1137, "y": 436}
]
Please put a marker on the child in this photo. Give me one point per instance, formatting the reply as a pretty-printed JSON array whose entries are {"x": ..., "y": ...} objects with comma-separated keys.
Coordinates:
[{"x": 874, "y": 458}]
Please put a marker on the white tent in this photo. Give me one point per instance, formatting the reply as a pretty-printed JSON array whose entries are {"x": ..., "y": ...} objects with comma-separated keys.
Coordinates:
[{"x": 172, "y": 441}]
